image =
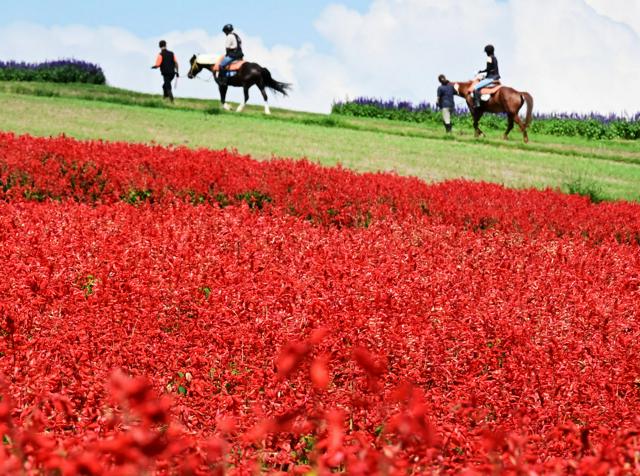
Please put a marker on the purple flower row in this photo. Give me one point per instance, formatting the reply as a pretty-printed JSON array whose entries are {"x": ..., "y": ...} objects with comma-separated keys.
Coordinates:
[
  {"x": 397, "y": 104},
  {"x": 394, "y": 104},
  {"x": 592, "y": 116}
]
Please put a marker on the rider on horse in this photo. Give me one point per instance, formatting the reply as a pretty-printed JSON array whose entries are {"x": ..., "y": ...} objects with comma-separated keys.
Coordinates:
[
  {"x": 233, "y": 45},
  {"x": 492, "y": 74}
]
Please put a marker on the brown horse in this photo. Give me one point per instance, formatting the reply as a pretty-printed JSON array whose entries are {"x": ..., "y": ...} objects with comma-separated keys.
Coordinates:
[{"x": 504, "y": 99}]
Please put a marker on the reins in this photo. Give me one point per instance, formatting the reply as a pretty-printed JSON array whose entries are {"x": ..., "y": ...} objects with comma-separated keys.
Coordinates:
[{"x": 193, "y": 67}]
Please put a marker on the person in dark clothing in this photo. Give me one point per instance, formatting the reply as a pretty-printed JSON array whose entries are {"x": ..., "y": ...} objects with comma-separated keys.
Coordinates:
[
  {"x": 168, "y": 65},
  {"x": 446, "y": 92},
  {"x": 492, "y": 74}
]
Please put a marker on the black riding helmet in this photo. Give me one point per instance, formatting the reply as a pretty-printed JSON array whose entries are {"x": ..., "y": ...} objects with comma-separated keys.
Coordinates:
[
  {"x": 228, "y": 28},
  {"x": 489, "y": 49}
]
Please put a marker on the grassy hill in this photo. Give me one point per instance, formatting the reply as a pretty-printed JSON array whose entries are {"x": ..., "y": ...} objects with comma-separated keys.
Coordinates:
[{"x": 603, "y": 169}]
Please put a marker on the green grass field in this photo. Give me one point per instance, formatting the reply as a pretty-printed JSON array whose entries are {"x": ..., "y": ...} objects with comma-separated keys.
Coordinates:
[{"x": 604, "y": 169}]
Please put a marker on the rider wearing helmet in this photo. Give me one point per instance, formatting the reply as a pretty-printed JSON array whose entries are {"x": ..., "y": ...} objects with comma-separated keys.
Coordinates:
[
  {"x": 233, "y": 46},
  {"x": 492, "y": 74}
]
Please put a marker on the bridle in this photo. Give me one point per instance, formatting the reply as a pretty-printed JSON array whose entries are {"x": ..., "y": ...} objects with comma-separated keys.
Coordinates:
[{"x": 193, "y": 73}]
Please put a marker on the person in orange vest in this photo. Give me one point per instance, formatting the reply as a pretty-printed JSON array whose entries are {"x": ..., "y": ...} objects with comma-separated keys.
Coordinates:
[{"x": 168, "y": 65}]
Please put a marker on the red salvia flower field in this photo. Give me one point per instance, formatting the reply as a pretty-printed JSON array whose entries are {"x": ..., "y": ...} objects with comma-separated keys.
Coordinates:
[{"x": 171, "y": 311}]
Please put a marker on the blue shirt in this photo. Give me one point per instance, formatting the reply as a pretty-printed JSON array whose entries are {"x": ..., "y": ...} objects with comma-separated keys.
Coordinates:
[{"x": 445, "y": 95}]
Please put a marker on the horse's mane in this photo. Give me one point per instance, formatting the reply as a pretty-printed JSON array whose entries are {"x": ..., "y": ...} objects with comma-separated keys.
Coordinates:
[{"x": 206, "y": 59}]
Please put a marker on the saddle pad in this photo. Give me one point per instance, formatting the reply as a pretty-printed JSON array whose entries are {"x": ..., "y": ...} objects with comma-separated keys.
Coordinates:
[
  {"x": 490, "y": 90},
  {"x": 235, "y": 66},
  {"x": 213, "y": 60},
  {"x": 206, "y": 59}
]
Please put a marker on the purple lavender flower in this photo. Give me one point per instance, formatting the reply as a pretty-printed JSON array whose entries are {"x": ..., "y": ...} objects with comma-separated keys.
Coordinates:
[{"x": 401, "y": 105}]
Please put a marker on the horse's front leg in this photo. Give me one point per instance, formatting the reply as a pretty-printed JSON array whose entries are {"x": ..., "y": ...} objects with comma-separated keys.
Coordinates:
[
  {"x": 246, "y": 99},
  {"x": 223, "y": 98},
  {"x": 477, "y": 115}
]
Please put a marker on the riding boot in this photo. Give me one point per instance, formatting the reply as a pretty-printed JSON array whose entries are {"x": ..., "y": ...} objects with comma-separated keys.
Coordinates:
[
  {"x": 477, "y": 99},
  {"x": 222, "y": 77}
]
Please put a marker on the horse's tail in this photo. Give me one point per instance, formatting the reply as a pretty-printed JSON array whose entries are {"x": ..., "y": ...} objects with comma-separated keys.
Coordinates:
[
  {"x": 526, "y": 97},
  {"x": 273, "y": 84}
]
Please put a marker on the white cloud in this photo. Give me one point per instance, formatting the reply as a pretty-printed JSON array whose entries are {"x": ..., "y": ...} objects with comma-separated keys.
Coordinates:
[
  {"x": 575, "y": 59},
  {"x": 572, "y": 55},
  {"x": 399, "y": 47},
  {"x": 626, "y": 12}
]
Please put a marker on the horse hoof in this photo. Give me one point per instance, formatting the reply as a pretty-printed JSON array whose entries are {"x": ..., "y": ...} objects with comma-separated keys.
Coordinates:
[{"x": 226, "y": 107}]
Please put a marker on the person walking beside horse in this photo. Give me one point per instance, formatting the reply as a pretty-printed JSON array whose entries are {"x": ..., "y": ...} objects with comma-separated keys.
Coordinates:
[
  {"x": 445, "y": 101},
  {"x": 168, "y": 65}
]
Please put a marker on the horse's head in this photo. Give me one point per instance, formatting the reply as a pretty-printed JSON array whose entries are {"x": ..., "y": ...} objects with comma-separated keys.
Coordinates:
[
  {"x": 463, "y": 88},
  {"x": 195, "y": 67}
]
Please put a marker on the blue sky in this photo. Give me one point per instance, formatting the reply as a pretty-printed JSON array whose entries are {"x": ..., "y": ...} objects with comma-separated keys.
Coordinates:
[
  {"x": 571, "y": 55},
  {"x": 275, "y": 21}
]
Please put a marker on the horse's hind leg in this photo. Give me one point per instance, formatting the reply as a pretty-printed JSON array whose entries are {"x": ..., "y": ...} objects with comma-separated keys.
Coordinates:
[
  {"x": 246, "y": 99},
  {"x": 265, "y": 97},
  {"x": 509, "y": 126},
  {"x": 523, "y": 128}
]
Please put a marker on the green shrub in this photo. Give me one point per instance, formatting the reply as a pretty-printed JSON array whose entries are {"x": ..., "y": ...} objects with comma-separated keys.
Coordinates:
[
  {"x": 592, "y": 126},
  {"x": 63, "y": 71}
]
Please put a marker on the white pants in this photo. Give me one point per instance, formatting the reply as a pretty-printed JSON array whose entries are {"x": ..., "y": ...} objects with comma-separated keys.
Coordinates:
[{"x": 446, "y": 115}]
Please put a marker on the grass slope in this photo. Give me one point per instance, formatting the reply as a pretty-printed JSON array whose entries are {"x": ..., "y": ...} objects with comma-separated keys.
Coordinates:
[{"x": 605, "y": 169}]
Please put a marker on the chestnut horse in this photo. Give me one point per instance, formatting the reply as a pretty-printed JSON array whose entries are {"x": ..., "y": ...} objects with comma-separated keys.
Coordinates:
[{"x": 505, "y": 99}]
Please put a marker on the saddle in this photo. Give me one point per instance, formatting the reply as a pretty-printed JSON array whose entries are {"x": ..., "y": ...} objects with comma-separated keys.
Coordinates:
[
  {"x": 214, "y": 61},
  {"x": 487, "y": 92},
  {"x": 233, "y": 66}
]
